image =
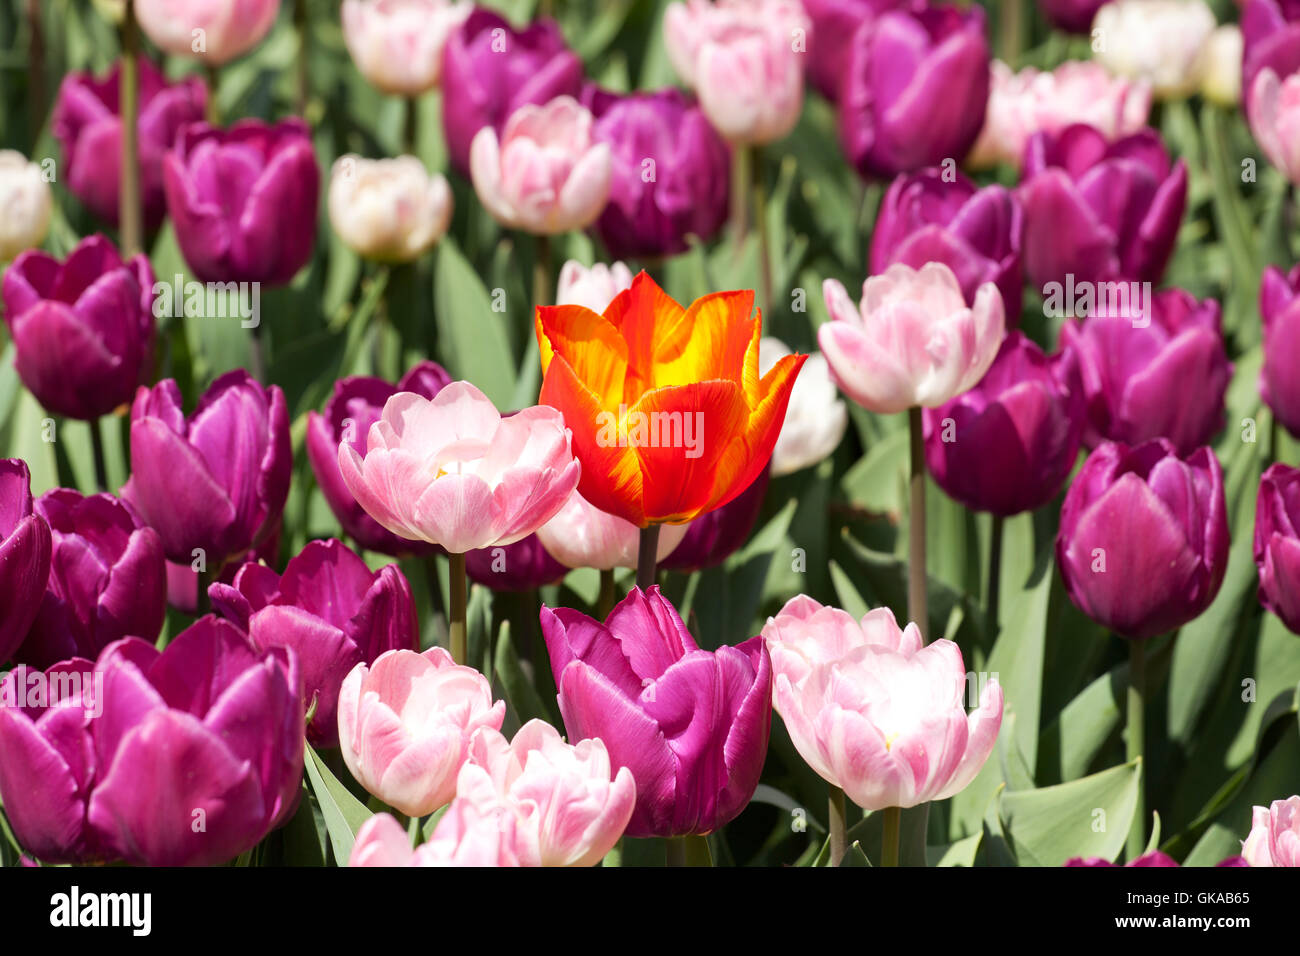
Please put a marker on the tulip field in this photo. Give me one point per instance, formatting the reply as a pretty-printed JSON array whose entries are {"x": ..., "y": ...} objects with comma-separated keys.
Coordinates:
[{"x": 641, "y": 433}]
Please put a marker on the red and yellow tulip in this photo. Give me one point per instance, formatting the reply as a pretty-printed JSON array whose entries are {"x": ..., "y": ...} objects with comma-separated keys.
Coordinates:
[{"x": 669, "y": 415}]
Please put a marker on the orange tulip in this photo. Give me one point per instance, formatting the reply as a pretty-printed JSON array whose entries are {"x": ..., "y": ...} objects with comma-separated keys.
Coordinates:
[{"x": 669, "y": 416}]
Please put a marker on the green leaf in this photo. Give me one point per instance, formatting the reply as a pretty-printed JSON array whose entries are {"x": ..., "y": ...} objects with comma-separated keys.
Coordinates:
[
  {"x": 344, "y": 814},
  {"x": 960, "y": 853},
  {"x": 472, "y": 339},
  {"x": 1050, "y": 825},
  {"x": 520, "y": 694}
]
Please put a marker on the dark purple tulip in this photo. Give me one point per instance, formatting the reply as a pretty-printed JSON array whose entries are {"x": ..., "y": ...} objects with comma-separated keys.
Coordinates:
[
  {"x": 1277, "y": 543},
  {"x": 833, "y": 24},
  {"x": 88, "y": 124},
  {"x": 1073, "y": 16},
  {"x": 1008, "y": 444},
  {"x": 1100, "y": 211},
  {"x": 107, "y": 579},
  {"x": 83, "y": 329},
  {"x": 47, "y": 759},
  {"x": 1135, "y": 377},
  {"x": 522, "y": 566},
  {"x": 217, "y": 480},
  {"x": 691, "y": 725},
  {"x": 915, "y": 89},
  {"x": 715, "y": 535},
  {"x": 489, "y": 70},
  {"x": 243, "y": 200},
  {"x": 332, "y": 610},
  {"x": 1143, "y": 542},
  {"x": 353, "y": 406},
  {"x": 24, "y": 555},
  {"x": 1270, "y": 34},
  {"x": 198, "y": 753},
  {"x": 1279, "y": 379},
  {"x": 652, "y": 210},
  {"x": 1154, "y": 858},
  {"x": 938, "y": 216}
]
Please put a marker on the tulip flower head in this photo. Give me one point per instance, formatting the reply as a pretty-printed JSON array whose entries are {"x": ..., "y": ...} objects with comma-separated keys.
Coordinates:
[
  {"x": 1279, "y": 379},
  {"x": 815, "y": 418},
  {"x": 28, "y": 204},
  {"x": 215, "y": 33},
  {"x": 873, "y": 709},
  {"x": 1275, "y": 120},
  {"x": 1277, "y": 542},
  {"x": 388, "y": 210},
  {"x": 466, "y": 835},
  {"x": 582, "y": 536},
  {"x": 1274, "y": 838},
  {"x": 913, "y": 340},
  {"x": 397, "y": 44},
  {"x": 24, "y": 554},
  {"x": 593, "y": 288},
  {"x": 451, "y": 471},
  {"x": 1163, "y": 42},
  {"x": 670, "y": 417}
]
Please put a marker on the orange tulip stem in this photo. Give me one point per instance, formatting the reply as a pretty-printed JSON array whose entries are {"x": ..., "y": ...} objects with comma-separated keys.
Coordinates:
[
  {"x": 459, "y": 596},
  {"x": 839, "y": 825},
  {"x": 916, "y": 587},
  {"x": 891, "y": 821},
  {"x": 130, "y": 214},
  {"x": 647, "y": 556}
]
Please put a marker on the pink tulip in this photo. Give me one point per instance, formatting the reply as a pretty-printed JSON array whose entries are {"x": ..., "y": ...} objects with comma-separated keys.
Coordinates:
[
  {"x": 745, "y": 59},
  {"x": 1275, "y": 120},
  {"x": 1021, "y": 104},
  {"x": 397, "y": 44},
  {"x": 204, "y": 29},
  {"x": 546, "y": 174},
  {"x": 451, "y": 471},
  {"x": 913, "y": 341},
  {"x": 568, "y": 811},
  {"x": 593, "y": 288},
  {"x": 873, "y": 710},
  {"x": 582, "y": 536},
  {"x": 1274, "y": 838},
  {"x": 405, "y": 723},
  {"x": 467, "y": 835}
]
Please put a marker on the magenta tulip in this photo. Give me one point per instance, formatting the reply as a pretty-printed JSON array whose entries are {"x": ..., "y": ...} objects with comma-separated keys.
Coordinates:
[
  {"x": 1279, "y": 379},
  {"x": 24, "y": 555},
  {"x": 1277, "y": 542}
]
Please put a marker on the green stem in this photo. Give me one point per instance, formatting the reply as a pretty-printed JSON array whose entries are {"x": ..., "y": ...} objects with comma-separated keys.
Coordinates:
[
  {"x": 302, "y": 24},
  {"x": 739, "y": 197},
  {"x": 647, "y": 557},
  {"x": 411, "y": 127},
  {"x": 760, "y": 215},
  {"x": 437, "y": 607},
  {"x": 1011, "y": 31},
  {"x": 413, "y": 831},
  {"x": 459, "y": 594},
  {"x": 889, "y": 836},
  {"x": 130, "y": 215},
  {"x": 257, "y": 354},
  {"x": 995, "y": 576},
  {"x": 213, "y": 111},
  {"x": 542, "y": 293},
  {"x": 839, "y": 826},
  {"x": 916, "y": 585},
  {"x": 97, "y": 448},
  {"x": 36, "y": 69},
  {"x": 1137, "y": 679},
  {"x": 605, "y": 603},
  {"x": 689, "y": 850}
]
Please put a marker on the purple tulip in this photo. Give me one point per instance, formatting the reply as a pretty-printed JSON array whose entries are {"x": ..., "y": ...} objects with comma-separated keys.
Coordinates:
[
  {"x": 217, "y": 480},
  {"x": 1097, "y": 210},
  {"x": 716, "y": 535},
  {"x": 353, "y": 406},
  {"x": 208, "y": 731},
  {"x": 1008, "y": 444},
  {"x": 683, "y": 192},
  {"x": 1277, "y": 543},
  {"x": 24, "y": 555},
  {"x": 1279, "y": 379},
  {"x": 48, "y": 760},
  {"x": 489, "y": 70},
  {"x": 88, "y": 124},
  {"x": 83, "y": 329},
  {"x": 243, "y": 200},
  {"x": 183, "y": 580},
  {"x": 107, "y": 579},
  {"x": 934, "y": 216},
  {"x": 1154, "y": 858},
  {"x": 833, "y": 24},
  {"x": 1143, "y": 541},
  {"x": 1072, "y": 16},
  {"x": 332, "y": 610},
  {"x": 691, "y": 725},
  {"x": 915, "y": 90},
  {"x": 1270, "y": 34},
  {"x": 523, "y": 566},
  {"x": 1135, "y": 369}
]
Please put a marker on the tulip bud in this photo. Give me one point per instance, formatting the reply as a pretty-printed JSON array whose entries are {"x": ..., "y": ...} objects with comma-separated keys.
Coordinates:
[
  {"x": 592, "y": 288},
  {"x": 397, "y": 44},
  {"x": 881, "y": 354},
  {"x": 88, "y": 124},
  {"x": 815, "y": 418},
  {"x": 1008, "y": 444},
  {"x": 332, "y": 610},
  {"x": 389, "y": 210},
  {"x": 1275, "y": 119},
  {"x": 28, "y": 204},
  {"x": 1274, "y": 838},
  {"x": 1160, "y": 41},
  {"x": 1144, "y": 515},
  {"x": 1277, "y": 543},
  {"x": 83, "y": 329},
  {"x": 215, "y": 33},
  {"x": 107, "y": 579},
  {"x": 1279, "y": 379},
  {"x": 264, "y": 230},
  {"x": 545, "y": 174},
  {"x": 833, "y": 24},
  {"x": 744, "y": 60},
  {"x": 1073, "y": 16},
  {"x": 1270, "y": 33},
  {"x": 691, "y": 725},
  {"x": 24, "y": 555},
  {"x": 1221, "y": 78}
]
